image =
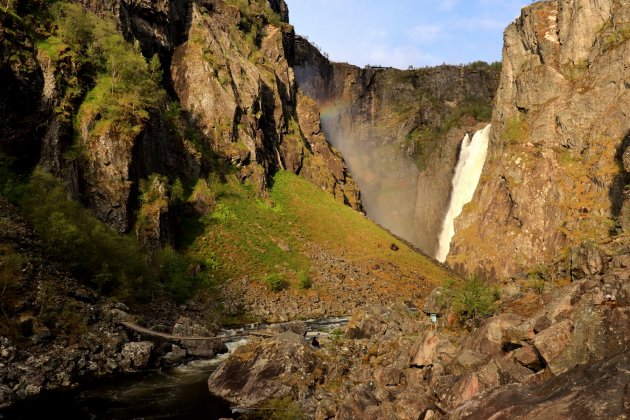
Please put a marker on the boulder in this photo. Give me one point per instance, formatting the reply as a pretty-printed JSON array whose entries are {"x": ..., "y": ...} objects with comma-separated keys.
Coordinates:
[
  {"x": 282, "y": 366},
  {"x": 429, "y": 348},
  {"x": 587, "y": 261},
  {"x": 185, "y": 327},
  {"x": 356, "y": 404},
  {"x": 496, "y": 372},
  {"x": 176, "y": 355},
  {"x": 597, "y": 390},
  {"x": 388, "y": 376},
  {"x": 297, "y": 327},
  {"x": 528, "y": 357},
  {"x": 491, "y": 337},
  {"x": 413, "y": 403},
  {"x": 436, "y": 302},
  {"x": 136, "y": 355},
  {"x": 370, "y": 321},
  {"x": 551, "y": 342}
]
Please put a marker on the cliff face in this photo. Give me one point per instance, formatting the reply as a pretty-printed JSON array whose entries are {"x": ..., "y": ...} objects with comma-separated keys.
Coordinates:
[
  {"x": 22, "y": 82},
  {"x": 249, "y": 107},
  {"x": 399, "y": 132},
  {"x": 555, "y": 176},
  {"x": 228, "y": 68}
]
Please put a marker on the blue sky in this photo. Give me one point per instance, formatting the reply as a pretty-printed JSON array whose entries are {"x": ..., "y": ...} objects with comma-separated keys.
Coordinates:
[{"x": 400, "y": 33}]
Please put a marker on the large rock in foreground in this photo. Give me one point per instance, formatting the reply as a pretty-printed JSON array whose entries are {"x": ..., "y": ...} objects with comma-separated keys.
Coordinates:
[
  {"x": 282, "y": 366},
  {"x": 599, "y": 390}
]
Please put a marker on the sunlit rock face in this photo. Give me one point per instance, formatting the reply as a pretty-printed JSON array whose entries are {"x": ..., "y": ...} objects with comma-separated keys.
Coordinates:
[{"x": 554, "y": 176}]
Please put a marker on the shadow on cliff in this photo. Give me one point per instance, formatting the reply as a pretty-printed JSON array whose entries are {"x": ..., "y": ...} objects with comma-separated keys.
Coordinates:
[{"x": 616, "y": 192}]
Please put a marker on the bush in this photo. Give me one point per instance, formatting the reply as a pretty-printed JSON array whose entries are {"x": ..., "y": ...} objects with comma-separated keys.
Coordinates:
[
  {"x": 124, "y": 86},
  {"x": 304, "y": 280},
  {"x": 74, "y": 237},
  {"x": 473, "y": 299},
  {"x": 276, "y": 282}
]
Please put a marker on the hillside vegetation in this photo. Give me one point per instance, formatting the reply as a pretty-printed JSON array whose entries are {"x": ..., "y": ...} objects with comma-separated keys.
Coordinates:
[{"x": 273, "y": 235}]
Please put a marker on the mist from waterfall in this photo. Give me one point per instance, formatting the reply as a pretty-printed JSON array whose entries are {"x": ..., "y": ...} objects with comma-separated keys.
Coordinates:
[
  {"x": 472, "y": 157},
  {"x": 387, "y": 178}
]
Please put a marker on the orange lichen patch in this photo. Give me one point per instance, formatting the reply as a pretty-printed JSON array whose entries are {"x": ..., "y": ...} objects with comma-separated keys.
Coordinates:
[{"x": 547, "y": 22}]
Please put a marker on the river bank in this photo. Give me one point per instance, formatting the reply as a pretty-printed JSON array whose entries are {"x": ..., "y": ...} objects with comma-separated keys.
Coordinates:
[{"x": 169, "y": 392}]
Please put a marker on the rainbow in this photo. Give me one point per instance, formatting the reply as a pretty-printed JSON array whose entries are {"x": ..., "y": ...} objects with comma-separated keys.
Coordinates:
[{"x": 332, "y": 108}]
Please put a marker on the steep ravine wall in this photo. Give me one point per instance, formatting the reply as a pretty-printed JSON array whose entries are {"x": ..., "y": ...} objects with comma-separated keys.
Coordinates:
[
  {"x": 229, "y": 69},
  {"x": 555, "y": 176},
  {"x": 399, "y": 131}
]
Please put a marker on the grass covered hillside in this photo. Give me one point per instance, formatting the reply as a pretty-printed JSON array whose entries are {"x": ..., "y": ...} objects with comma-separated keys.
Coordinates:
[{"x": 300, "y": 247}]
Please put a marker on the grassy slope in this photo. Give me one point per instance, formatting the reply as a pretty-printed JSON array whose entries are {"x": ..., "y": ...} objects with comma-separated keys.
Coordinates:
[{"x": 252, "y": 237}]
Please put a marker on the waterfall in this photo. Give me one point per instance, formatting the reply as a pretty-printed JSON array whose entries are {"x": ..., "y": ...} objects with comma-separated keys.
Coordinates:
[{"x": 467, "y": 173}]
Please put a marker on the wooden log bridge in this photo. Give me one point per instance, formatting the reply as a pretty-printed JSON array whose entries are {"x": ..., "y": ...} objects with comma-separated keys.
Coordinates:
[
  {"x": 137, "y": 328},
  {"x": 146, "y": 331}
]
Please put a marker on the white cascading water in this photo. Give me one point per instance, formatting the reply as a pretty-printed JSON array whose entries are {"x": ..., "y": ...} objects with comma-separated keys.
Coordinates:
[{"x": 467, "y": 173}]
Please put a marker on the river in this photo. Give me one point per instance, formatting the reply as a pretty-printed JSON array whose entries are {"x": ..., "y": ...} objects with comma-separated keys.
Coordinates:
[{"x": 174, "y": 393}]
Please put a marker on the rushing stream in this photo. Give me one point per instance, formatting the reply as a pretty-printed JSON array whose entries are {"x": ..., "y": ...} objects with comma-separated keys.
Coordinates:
[{"x": 175, "y": 393}]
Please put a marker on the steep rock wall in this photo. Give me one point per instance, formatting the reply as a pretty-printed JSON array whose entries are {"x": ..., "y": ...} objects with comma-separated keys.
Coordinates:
[
  {"x": 399, "y": 131},
  {"x": 560, "y": 127},
  {"x": 20, "y": 90},
  {"x": 229, "y": 69},
  {"x": 238, "y": 84}
]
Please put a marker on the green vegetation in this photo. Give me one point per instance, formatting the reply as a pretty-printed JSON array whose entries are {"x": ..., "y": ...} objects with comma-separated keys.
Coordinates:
[
  {"x": 271, "y": 234},
  {"x": 276, "y": 282},
  {"x": 425, "y": 139},
  {"x": 117, "y": 86},
  {"x": 616, "y": 36},
  {"x": 112, "y": 263},
  {"x": 304, "y": 280},
  {"x": 73, "y": 237},
  {"x": 515, "y": 130},
  {"x": 472, "y": 298},
  {"x": 537, "y": 278},
  {"x": 255, "y": 14},
  {"x": 482, "y": 65},
  {"x": 578, "y": 70},
  {"x": 11, "y": 263}
]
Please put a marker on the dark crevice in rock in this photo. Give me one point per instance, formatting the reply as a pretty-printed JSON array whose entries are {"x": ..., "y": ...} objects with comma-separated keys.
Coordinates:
[
  {"x": 616, "y": 191},
  {"x": 512, "y": 202},
  {"x": 508, "y": 346}
]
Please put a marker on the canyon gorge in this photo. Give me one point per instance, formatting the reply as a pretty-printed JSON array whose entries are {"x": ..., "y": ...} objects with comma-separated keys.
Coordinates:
[{"x": 180, "y": 179}]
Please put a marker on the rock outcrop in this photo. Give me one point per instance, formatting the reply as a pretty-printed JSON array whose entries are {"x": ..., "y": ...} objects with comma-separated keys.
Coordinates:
[
  {"x": 249, "y": 107},
  {"x": 554, "y": 177},
  {"x": 400, "y": 132},
  {"x": 229, "y": 68},
  {"x": 283, "y": 366},
  {"x": 22, "y": 83}
]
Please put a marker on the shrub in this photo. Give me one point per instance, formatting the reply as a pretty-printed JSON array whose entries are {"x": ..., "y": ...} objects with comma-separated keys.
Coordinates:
[
  {"x": 223, "y": 213},
  {"x": 304, "y": 280},
  {"x": 122, "y": 87},
  {"x": 276, "y": 282},
  {"x": 73, "y": 237},
  {"x": 176, "y": 274},
  {"x": 473, "y": 299}
]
